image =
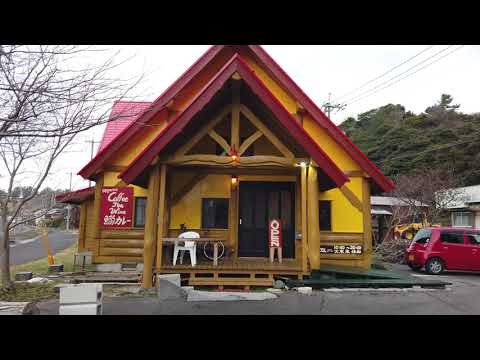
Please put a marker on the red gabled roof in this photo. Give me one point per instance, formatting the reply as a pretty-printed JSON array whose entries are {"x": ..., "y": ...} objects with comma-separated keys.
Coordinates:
[
  {"x": 279, "y": 75},
  {"x": 76, "y": 197},
  {"x": 235, "y": 64},
  {"x": 122, "y": 115}
]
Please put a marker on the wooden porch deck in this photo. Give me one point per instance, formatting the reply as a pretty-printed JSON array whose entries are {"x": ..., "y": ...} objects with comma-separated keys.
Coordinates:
[{"x": 234, "y": 271}]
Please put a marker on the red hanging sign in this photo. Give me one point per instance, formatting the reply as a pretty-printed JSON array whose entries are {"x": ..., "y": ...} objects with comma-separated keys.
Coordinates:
[
  {"x": 275, "y": 233},
  {"x": 116, "y": 207}
]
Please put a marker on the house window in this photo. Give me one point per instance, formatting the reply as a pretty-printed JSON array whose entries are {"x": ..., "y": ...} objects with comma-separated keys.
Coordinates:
[
  {"x": 325, "y": 213},
  {"x": 462, "y": 219},
  {"x": 140, "y": 206},
  {"x": 214, "y": 213}
]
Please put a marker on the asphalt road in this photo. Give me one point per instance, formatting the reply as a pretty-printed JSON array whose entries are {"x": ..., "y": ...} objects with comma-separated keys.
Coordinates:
[
  {"x": 460, "y": 298},
  {"x": 24, "y": 251}
]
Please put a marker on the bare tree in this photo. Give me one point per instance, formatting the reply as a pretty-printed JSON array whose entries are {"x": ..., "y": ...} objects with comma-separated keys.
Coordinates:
[
  {"x": 48, "y": 95},
  {"x": 430, "y": 191}
]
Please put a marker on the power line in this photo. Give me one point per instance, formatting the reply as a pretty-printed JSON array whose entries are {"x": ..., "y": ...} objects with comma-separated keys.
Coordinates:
[
  {"x": 385, "y": 73},
  {"x": 396, "y": 76},
  {"x": 408, "y": 75}
]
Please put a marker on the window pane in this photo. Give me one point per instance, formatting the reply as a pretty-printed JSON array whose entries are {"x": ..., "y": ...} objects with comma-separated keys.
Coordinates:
[
  {"x": 273, "y": 212},
  {"x": 140, "y": 206},
  {"x": 473, "y": 239},
  {"x": 325, "y": 213},
  {"x": 286, "y": 200},
  {"x": 215, "y": 213},
  {"x": 260, "y": 210},
  {"x": 452, "y": 238}
]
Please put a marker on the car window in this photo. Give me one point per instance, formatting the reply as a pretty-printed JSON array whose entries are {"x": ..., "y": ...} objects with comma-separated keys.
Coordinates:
[
  {"x": 473, "y": 239},
  {"x": 452, "y": 237},
  {"x": 422, "y": 236}
]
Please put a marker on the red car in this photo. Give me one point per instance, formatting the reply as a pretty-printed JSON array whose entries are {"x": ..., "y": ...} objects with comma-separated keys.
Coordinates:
[{"x": 442, "y": 248}]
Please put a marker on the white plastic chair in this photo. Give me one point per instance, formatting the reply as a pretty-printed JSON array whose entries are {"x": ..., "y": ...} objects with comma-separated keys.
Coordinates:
[{"x": 190, "y": 246}]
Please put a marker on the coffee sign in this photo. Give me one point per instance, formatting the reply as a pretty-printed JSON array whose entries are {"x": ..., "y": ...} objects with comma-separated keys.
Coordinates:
[
  {"x": 116, "y": 207},
  {"x": 275, "y": 233}
]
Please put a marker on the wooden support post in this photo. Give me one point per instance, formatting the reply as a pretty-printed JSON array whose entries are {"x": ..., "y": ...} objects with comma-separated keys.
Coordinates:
[
  {"x": 96, "y": 219},
  {"x": 82, "y": 228},
  {"x": 313, "y": 218},
  {"x": 163, "y": 215},
  {"x": 150, "y": 228},
  {"x": 367, "y": 222},
  {"x": 303, "y": 187}
]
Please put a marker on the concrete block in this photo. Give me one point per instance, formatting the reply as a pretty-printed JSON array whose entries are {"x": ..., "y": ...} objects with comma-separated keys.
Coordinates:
[
  {"x": 83, "y": 256},
  {"x": 196, "y": 295},
  {"x": 333, "y": 290},
  {"x": 305, "y": 290},
  {"x": 23, "y": 276},
  {"x": 172, "y": 278},
  {"x": 167, "y": 290},
  {"x": 274, "y": 291},
  {"x": 81, "y": 294},
  {"x": 108, "y": 267},
  {"x": 140, "y": 267},
  {"x": 83, "y": 309},
  {"x": 39, "y": 280},
  {"x": 55, "y": 268}
]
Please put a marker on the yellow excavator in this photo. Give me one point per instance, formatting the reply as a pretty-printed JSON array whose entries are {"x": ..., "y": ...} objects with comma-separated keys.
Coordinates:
[{"x": 408, "y": 231}]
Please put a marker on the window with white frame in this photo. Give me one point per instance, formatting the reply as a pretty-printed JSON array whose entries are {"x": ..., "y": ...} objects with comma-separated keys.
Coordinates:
[{"x": 462, "y": 219}]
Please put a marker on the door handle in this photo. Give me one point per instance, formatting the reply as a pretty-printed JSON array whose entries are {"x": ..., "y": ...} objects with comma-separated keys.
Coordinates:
[{"x": 240, "y": 221}]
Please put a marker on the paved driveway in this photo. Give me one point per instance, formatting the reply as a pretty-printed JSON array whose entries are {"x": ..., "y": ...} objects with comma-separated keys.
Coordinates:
[
  {"x": 24, "y": 251},
  {"x": 460, "y": 298}
]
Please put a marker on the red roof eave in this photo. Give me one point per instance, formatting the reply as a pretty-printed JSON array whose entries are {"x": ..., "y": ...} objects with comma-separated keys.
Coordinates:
[
  {"x": 235, "y": 64},
  {"x": 76, "y": 196}
]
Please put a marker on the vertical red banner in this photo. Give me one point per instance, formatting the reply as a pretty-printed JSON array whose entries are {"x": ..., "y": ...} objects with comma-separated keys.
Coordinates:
[
  {"x": 116, "y": 207},
  {"x": 275, "y": 233}
]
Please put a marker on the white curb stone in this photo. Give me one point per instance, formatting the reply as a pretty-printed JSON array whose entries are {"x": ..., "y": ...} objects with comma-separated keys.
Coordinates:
[{"x": 196, "y": 295}]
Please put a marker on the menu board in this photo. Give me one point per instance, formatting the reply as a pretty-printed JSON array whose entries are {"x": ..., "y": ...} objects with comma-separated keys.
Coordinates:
[{"x": 116, "y": 207}]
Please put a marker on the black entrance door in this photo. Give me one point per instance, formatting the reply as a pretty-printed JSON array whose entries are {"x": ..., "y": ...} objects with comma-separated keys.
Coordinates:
[{"x": 259, "y": 202}]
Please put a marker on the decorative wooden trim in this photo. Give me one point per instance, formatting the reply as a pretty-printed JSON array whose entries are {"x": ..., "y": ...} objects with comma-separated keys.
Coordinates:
[
  {"x": 329, "y": 236},
  {"x": 352, "y": 198},
  {"x": 313, "y": 218},
  {"x": 215, "y": 160},
  {"x": 182, "y": 150},
  {"x": 266, "y": 131},
  {"x": 236, "y": 63},
  {"x": 162, "y": 228},
  {"x": 235, "y": 128},
  {"x": 114, "y": 168},
  {"x": 354, "y": 173},
  {"x": 186, "y": 189},
  {"x": 220, "y": 140},
  {"x": 303, "y": 186},
  {"x": 151, "y": 214},
  {"x": 249, "y": 141}
]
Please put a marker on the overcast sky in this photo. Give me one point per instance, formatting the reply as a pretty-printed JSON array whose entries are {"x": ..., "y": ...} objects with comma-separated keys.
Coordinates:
[{"x": 319, "y": 70}]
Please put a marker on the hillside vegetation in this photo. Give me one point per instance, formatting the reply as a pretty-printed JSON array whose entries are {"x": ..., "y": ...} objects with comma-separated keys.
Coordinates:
[{"x": 399, "y": 141}]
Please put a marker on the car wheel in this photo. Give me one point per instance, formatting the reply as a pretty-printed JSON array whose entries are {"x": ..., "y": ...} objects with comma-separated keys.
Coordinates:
[
  {"x": 434, "y": 266},
  {"x": 414, "y": 267}
]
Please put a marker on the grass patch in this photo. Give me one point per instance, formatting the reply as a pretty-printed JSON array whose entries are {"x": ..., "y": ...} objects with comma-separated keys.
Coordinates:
[
  {"x": 24, "y": 292},
  {"x": 40, "y": 266}
]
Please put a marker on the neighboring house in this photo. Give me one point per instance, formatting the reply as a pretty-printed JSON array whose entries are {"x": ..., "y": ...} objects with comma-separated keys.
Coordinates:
[
  {"x": 230, "y": 145},
  {"x": 383, "y": 208},
  {"x": 465, "y": 212}
]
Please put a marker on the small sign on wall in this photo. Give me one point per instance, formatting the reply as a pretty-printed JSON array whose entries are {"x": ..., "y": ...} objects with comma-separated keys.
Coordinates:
[
  {"x": 350, "y": 249},
  {"x": 116, "y": 207},
  {"x": 275, "y": 239},
  {"x": 275, "y": 233}
]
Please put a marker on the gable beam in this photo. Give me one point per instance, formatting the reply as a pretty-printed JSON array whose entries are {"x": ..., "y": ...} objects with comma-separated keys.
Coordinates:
[
  {"x": 249, "y": 141},
  {"x": 268, "y": 134},
  {"x": 203, "y": 131},
  {"x": 220, "y": 140},
  {"x": 235, "y": 136},
  {"x": 352, "y": 198}
]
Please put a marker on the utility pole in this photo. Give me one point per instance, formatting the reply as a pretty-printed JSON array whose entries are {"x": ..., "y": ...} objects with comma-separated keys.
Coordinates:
[
  {"x": 328, "y": 106},
  {"x": 92, "y": 142}
]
